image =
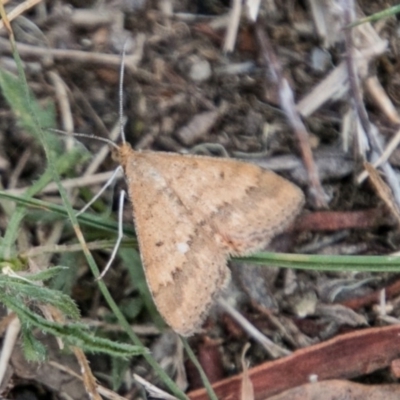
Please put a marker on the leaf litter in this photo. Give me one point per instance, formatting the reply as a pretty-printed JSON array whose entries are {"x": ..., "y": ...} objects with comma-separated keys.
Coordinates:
[{"x": 183, "y": 91}]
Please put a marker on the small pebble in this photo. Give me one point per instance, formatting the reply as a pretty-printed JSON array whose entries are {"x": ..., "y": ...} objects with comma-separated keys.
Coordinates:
[
  {"x": 200, "y": 69},
  {"x": 320, "y": 59}
]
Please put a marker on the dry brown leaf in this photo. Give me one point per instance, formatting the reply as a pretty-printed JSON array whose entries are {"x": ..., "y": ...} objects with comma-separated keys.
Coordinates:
[
  {"x": 383, "y": 190},
  {"x": 335, "y": 389},
  {"x": 247, "y": 390}
]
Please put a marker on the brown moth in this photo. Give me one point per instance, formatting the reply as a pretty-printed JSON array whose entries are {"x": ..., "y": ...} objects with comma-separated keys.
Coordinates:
[{"x": 191, "y": 214}]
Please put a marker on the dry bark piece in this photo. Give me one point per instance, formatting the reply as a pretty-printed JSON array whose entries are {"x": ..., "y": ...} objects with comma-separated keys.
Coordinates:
[
  {"x": 336, "y": 389},
  {"x": 346, "y": 356},
  {"x": 383, "y": 191},
  {"x": 197, "y": 127},
  {"x": 247, "y": 390},
  {"x": 337, "y": 220},
  {"x": 395, "y": 367},
  {"x": 211, "y": 360}
]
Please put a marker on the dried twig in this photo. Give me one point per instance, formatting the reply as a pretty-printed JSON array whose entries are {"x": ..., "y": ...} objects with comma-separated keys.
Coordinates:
[
  {"x": 111, "y": 60},
  {"x": 272, "y": 348},
  {"x": 288, "y": 106},
  {"x": 381, "y": 99},
  {"x": 20, "y": 9},
  {"x": 233, "y": 26},
  {"x": 355, "y": 91},
  {"x": 389, "y": 149}
]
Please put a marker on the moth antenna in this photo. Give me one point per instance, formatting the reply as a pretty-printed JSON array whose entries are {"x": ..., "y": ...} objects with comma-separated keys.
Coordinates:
[
  {"x": 101, "y": 191},
  {"x": 86, "y": 135},
  {"x": 120, "y": 235},
  {"x": 121, "y": 94}
]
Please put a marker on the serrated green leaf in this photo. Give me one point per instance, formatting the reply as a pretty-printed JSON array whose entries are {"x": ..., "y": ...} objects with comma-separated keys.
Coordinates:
[
  {"x": 32, "y": 348},
  {"x": 26, "y": 109},
  {"x": 64, "y": 163},
  {"x": 73, "y": 334},
  {"x": 49, "y": 273},
  {"x": 28, "y": 292},
  {"x": 132, "y": 307},
  {"x": 119, "y": 366},
  {"x": 66, "y": 279}
]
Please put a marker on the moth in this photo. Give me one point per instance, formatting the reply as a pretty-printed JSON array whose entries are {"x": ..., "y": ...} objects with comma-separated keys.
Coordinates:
[{"x": 191, "y": 214}]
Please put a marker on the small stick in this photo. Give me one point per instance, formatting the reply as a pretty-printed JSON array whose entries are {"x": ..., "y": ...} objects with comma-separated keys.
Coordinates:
[
  {"x": 355, "y": 92},
  {"x": 287, "y": 103},
  {"x": 111, "y": 60},
  {"x": 272, "y": 348}
]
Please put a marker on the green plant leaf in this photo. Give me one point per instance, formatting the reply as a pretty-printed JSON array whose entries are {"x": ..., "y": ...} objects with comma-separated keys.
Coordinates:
[
  {"x": 28, "y": 292},
  {"x": 33, "y": 349},
  {"x": 389, "y": 12},
  {"x": 47, "y": 274},
  {"x": 25, "y": 109},
  {"x": 119, "y": 367},
  {"x": 73, "y": 334}
]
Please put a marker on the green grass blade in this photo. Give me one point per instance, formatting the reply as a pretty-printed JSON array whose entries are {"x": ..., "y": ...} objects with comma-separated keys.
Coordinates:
[
  {"x": 25, "y": 108},
  {"x": 327, "y": 262},
  {"x": 203, "y": 376},
  {"x": 87, "y": 219},
  {"x": 377, "y": 16},
  {"x": 64, "y": 163}
]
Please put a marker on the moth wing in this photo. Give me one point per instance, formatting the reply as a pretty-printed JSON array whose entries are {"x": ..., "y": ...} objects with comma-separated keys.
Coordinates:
[
  {"x": 185, "y": 266},
  {"x": 245, "y": 204},
  {"x": 190, "y": 214}
]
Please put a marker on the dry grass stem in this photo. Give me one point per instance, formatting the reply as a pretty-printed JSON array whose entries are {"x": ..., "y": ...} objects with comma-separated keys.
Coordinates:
[
  {"x": 272, "y": 348},
  {"x": 19, "y": 10},
  {"x": 286, "y": 99}
]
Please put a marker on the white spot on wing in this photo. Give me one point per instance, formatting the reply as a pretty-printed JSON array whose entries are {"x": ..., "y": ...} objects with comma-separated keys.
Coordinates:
[{"x": 182, "y": 247}]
